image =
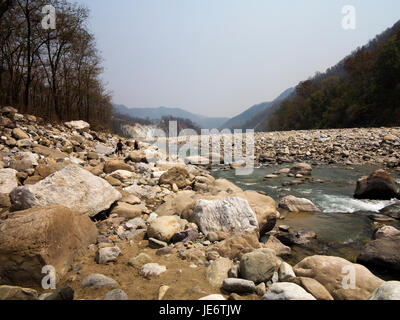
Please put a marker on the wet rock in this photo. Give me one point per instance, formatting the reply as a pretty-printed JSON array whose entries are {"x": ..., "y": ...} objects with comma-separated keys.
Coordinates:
[
  {"x": 301, "y": 237},
  {"x": 294, "y": 204},
  {"x": 383, "y": 253},
  {"x": 301, "y": 168},
  {"x": 287, "y": 291},
  {"x": 377, "y": 186},
  {"x": 258, "y": 266}
]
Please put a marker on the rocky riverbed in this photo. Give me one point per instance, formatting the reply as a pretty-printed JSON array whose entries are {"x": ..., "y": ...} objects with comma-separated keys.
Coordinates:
[{"x": 139, "y": 227}]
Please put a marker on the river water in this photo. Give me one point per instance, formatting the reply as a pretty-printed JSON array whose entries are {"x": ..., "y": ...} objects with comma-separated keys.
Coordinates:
[{"x": 342, "y": 227}]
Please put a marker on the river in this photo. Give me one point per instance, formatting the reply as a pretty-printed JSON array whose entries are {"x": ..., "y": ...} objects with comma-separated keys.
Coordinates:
[{"x": 343, "y": 226}]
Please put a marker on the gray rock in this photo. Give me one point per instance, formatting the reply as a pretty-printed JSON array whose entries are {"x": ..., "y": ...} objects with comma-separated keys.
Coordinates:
[
  {"x": 238, "y": 285},
  {"x": 285, "y": 272},
  {"x": 116, "y": 294},
  {"x": 98, "y": 280},
  {"x": 105, "y": 255},
  {"x": 388, "y": 291},
  {"x": 287, "y": 291},
  {"x": 8, "y": 180},
  {"x": 233, "y": 215},
  {"x": 71, "y": 187},
  {"x": 103, "y": 149},
  {"x": 217, "y": 271},
  {"x": 152, "y": 269},
  {"x": 258, "y": 266},
  {"x": 294, "y": 204}
]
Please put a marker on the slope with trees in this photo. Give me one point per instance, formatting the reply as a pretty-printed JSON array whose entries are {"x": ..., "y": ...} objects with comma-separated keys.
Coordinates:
[
  {"x": 52, "y": 73},
  {"x": 362, "y": 91}
]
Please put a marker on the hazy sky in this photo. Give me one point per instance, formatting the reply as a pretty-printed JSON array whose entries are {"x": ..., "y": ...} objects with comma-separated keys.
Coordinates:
[{"x": 219, "y": 57}]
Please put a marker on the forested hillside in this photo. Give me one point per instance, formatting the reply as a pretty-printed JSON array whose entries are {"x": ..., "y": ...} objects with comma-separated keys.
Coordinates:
[
  {"x": 363, "y": 90},
  {"x": 51, "y": 73}
]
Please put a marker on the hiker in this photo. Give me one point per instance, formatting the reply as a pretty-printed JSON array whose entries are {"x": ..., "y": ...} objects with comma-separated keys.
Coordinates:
[
  {"x": 120, "y": 145},
  {"x": 136, "y": 145}
]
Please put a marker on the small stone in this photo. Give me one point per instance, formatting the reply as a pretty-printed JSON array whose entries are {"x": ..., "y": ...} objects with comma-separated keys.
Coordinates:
[
  {"x": 152, "y": 269},
  {"x": 161, "y": 293},
  {"x": 105, "y": 255},
  {"x": 261, "y": 289},
  {"x": 116, "y": 294},
  {"x": 238, "y": 285},
  {"x": 98, "y": 280}
]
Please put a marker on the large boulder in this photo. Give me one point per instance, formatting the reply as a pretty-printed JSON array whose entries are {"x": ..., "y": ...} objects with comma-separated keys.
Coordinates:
[
  {"x": 32, "y": 239},
  {"x": 176, "y": 175},
  {"x": 293, "y": 204},
  {"x": 163, "y": 228},
  {"x": 19, "y": 134},
  {"x": 258, "y": 266},
  {"x": 137, "y": 157},
  {"x": 383, "y": 253},
  {"x": 264, "y": 207},
  {"x": 71, "y": 187},
  {"x": 333, "y": 272},
  {"x": 379, "y": 185},
  {"x": 233, "y": 215},
  {"x": 287, "y": 291},
  {"x": 114, "y": 165},
  {"x": 78, "y": 125},
  {"x": 8, "y": 180},
  {"x": 17, "y": 293}
]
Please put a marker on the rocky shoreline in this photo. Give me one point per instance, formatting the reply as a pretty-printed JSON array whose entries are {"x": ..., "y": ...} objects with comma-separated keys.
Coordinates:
[{"x": 129, "y": 228}]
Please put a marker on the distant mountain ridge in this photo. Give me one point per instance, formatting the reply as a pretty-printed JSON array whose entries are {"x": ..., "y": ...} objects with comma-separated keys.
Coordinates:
[
  {"x": 255, "y": 115},
  {"x": 156, "y": 114}
]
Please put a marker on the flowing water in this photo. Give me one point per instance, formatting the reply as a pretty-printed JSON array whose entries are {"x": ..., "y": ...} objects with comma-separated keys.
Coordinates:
[{"x": 342, "y": 227}]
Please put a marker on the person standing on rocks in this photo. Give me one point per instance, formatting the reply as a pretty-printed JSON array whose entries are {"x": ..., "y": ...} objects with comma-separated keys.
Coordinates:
[
  {"x": 136, "y": 145},
  {"x": 120, "y": 146}
]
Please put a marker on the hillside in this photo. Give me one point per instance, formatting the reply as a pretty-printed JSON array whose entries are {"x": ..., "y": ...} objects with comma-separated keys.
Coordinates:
[
  {"x": 156, "y": 114},
  {"x": 363, "y": 90},
  {"x": 249, "y": 119}
]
